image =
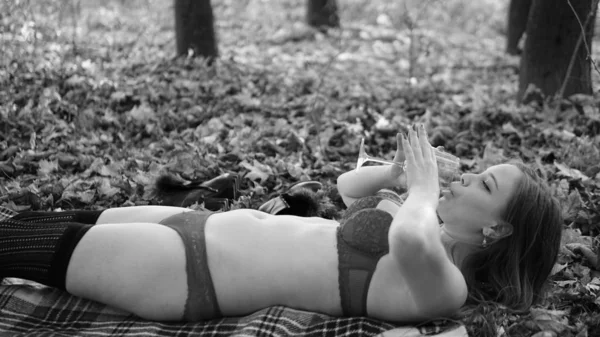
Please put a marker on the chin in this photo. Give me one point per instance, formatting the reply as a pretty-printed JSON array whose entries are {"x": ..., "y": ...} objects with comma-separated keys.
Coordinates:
[
  {"x": 441, "y": 211},
  {"x": 440, "y": 220}
]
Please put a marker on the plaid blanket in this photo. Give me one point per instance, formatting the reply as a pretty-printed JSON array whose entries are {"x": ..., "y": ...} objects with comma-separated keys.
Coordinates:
[{"x": 31, "y": 309}]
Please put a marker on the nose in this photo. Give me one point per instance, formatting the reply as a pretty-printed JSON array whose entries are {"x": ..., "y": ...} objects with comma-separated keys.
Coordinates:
[{"x": 464, "y": 179}]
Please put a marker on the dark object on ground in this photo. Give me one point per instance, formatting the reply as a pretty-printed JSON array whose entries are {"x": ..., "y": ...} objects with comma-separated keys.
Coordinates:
[
  {"x": 518, "y": 13},
  {"x": 216, "y": 194},
  {"x": 322, "y": 13},
  {"x": 194, "y": 28},
  {"x": 553, "y": 37},
  {"x": 300, "y": 200}
]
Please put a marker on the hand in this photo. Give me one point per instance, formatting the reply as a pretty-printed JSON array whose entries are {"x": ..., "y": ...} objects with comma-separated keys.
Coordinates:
[
  {"x": 397, "y": 174},
  {"x": 421, "y": 165}
]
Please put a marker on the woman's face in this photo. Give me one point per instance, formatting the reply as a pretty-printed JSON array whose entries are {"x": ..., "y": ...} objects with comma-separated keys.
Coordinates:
[{"x": 478, "y": 200}]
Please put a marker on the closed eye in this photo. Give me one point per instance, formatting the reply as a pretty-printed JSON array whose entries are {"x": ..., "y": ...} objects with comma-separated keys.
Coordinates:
[{"x": 486, "y": 186}]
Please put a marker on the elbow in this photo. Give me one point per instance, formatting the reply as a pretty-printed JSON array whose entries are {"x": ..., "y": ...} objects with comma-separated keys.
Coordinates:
[
  {"x": 340, "y": 184},
  {"x": 347, "y": 200},
  {"x": 445, "y": 306},
  {"x": 343, "y": 193}
]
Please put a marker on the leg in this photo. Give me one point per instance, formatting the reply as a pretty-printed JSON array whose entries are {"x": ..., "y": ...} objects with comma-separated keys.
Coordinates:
[
  {"x": 38, "y": 252},
  {"x": 140, "y": 268},
  {"x": 84, "y": 217},
  {"x": 137, "y": 267},
  {"x": 154, "y": 214}
]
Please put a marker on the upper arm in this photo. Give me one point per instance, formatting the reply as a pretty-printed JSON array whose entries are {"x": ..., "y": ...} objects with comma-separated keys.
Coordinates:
[{"x": 436, "y": 285}]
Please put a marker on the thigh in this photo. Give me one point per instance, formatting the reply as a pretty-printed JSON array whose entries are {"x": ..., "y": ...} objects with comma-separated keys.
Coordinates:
[
  {"x": 153, "y": 214},
  {"x": 140, "y": 268}
]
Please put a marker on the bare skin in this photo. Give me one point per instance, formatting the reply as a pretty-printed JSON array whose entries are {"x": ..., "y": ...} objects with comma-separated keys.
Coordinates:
[
  {"x": 474, "y": 206},
  {"x": 301, "y": 271},
  {"x": 258, "y": 260}
]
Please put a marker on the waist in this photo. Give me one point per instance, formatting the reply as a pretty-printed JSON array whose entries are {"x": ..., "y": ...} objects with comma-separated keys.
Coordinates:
[{"x": 258, "y": 260}]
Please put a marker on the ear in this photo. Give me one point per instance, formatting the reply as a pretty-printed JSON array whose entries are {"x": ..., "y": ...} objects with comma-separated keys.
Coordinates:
[{"x": 498, "y": 230}]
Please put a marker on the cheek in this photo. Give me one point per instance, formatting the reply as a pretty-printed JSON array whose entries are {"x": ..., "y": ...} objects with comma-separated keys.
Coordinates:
[{"x": 476, "y": 212}]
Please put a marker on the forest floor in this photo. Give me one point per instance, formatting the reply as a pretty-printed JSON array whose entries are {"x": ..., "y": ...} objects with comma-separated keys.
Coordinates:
[{"x": 94, "y": 106}]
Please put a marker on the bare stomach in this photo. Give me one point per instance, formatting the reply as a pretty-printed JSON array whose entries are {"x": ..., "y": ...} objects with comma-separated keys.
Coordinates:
[{"x": 258, "y": 260}]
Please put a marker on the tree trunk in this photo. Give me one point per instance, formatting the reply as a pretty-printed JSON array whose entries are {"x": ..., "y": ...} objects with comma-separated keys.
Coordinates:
[
  {"x": 322, "y": 13},
  {"x": 194, "y": 28},
  {"x": 552, "y": 35},
  {"x": 518, "y": 13}
]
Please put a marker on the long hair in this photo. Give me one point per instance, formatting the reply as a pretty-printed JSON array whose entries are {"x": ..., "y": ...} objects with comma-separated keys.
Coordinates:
[{"x": 513, "y": 271}]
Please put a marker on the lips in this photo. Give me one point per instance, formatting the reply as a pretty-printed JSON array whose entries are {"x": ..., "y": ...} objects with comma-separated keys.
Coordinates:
[{"x": 447, "y": 193}]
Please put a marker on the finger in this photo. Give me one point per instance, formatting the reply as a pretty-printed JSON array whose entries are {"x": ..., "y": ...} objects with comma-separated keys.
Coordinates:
[
  {"x": 434, "y": 161},
  {"x": 424, "y": 142},
  {"x": 432, "y": 152},
  {"x": 399, "y": 151},
  {"x": 415, "y": 145},
  {"x": 408, "y": 152}
]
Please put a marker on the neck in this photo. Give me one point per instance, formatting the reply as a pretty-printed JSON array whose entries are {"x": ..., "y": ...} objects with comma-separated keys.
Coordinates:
[
  {"x": 457, "y": 247},
  {"x": 463, "y": 238}
]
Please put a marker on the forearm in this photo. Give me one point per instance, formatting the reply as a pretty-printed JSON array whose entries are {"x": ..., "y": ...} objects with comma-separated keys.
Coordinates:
[
  {"x": 415, "y": 224},
  {"x": 416, "y": 246},
  {"x": 367, "y": 181}
]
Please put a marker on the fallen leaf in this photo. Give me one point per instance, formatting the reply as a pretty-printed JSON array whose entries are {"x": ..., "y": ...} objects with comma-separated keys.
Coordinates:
[
  {"x": 550, "y": 320},
  {"x": 570, "y": 172},
  {"x": 106, "y": 189},
  {"x": 142, "y": 114},
  {"x": 47, "y": 167},
  {"x": 257, "y": 170}
]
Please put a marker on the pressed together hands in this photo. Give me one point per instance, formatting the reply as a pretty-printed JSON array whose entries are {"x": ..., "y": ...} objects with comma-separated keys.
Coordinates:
[{"x": 420, "y": 169}]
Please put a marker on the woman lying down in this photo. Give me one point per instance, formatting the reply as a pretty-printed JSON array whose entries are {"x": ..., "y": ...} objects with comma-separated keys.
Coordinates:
[{"x": 498, "y": 240}]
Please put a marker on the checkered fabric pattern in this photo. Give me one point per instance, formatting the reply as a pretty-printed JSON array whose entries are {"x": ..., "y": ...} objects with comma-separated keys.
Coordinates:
[
  {"x": 6, "y": 213},
  {"x": 30, "y": 309}
]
